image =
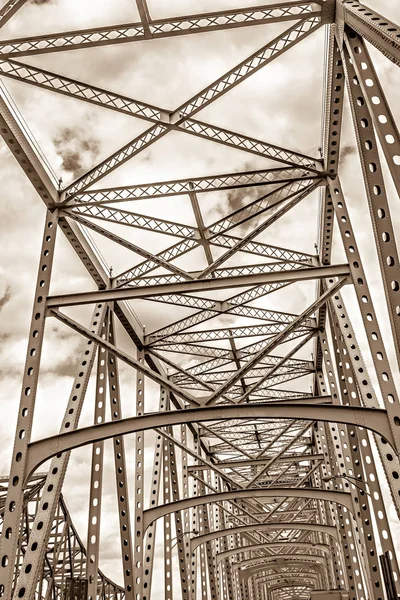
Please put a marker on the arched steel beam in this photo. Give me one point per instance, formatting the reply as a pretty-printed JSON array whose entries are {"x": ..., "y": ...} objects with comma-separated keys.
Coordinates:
[
  {"x": 293, "y": 584},
  {"x": 292, "y": 526},
  {"x": 303, "y": 545},
  {"x": 374, "y": 419},
  {"x": 297, "y": 579},
  {"x": 281, "y": 560},
  {"x": 315, "y": 570},
  {"x": 152, "y": 514}
]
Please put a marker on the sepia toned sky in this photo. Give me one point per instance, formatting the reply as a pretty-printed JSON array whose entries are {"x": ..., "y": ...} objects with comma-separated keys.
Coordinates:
[{"x": 281, "y": 104}]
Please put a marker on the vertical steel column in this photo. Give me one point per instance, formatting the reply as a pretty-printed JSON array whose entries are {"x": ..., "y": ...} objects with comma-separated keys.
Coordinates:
[
  {"x": 227, "y": 586},
  {"x": 341, "y": 573},
  {"x": 179, "y": 529},
  {"x": 49, "y": 504},
  {"x": 186, "y": 512},
  {"x": 347, "y": 527},
  {"x": 333, "y": 113},
  {"x": 168, "y": 540},
  {"x": 209, "y": 553},
  {"x": 15, "y": 493},
  {"x": 203, "y": 555},
  {"x": 139, "y": 486},
  {"x": 385, "y": 240},
  {"x": 154, "y": 496},
  {"x": 378, "y": 106},
  {"x": 96, "y": 475},
  {"x": 202, "y": 529},
  {"x": 352, "y": 459},
  {"x": 120, "y": 469},
  {"x": 371, "y": 476},
  {"x": 374, "y": 337},
  {"x": 195, "y": 524},
  {"x": 324, "y": 516}
]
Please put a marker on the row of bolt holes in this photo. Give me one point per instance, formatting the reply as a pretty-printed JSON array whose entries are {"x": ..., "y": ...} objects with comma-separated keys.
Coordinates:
[
  {"x": 396, "y": 419},
  {"x": 120, "y": 470},
  {"x": 388, "y": 26},
  {"x": 81, "y": 374},
  {"x": 374, "y": 335},
  {"x": 32, "y": 353},
  {"x": 98, "y": 453},
  {"x": 376, "y": 188},
  {"x": 381, "y": 212},
  {"x": 375, "y": 100},
  {"x": 24, "y": 414}
]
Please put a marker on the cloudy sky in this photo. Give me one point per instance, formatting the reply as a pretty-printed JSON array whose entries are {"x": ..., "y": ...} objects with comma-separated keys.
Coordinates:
[{"x": 280, "y": 104}]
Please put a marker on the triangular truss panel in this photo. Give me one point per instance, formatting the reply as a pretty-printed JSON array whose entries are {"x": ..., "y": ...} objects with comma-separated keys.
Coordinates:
[{"x": 233, "y": 413}]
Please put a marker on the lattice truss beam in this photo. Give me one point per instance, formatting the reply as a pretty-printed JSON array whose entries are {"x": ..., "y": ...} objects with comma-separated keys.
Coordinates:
[{"x": 256, "y": 475}]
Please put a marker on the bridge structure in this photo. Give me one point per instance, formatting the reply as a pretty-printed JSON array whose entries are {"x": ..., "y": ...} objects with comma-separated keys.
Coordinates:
[{"x": 268, "y": 467}]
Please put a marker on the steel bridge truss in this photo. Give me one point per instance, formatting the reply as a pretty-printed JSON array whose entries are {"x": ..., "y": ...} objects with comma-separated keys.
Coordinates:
[{"x": 259, "y": 489}]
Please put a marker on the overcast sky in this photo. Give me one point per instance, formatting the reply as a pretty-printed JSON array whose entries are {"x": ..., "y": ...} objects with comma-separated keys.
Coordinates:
[{"x": 280, "y": 104}]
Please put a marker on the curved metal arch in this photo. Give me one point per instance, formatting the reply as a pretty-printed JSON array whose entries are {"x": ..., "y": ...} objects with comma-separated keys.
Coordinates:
[
  {"x": 280, "y": 576},
  {"x": 152, "y": 514},
  {"x": 374, "y": 419},
  {"x": 289, "y": 585},
  {"x": 293, "y": 526},
  {"x": 280, "y": 559},
  {"x": 306, "y": 545},
  {"x": 312, "y": 570}
]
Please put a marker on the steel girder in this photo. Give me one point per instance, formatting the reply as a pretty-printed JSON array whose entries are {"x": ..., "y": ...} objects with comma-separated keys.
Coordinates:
[{"x": 243, "y": 469}]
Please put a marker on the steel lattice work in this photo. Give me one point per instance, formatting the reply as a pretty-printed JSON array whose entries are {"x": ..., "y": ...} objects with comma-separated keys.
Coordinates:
[{"x": 256, "y": 473}]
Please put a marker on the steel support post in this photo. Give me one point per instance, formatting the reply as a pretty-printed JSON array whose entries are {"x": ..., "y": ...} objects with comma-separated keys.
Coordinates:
[
  {"x": 384, "y": 123},
  {"x": 213, "y": 526},
  {"x": 195, "y": 522},
  {"x": 224, "y": 574},
  {"x": 96, "y": 474},
  {"x": 379, "y": 210},
  {"x": 207, "y": 557},
  {"x": 346, "y": 525},
  {"x": 154, "y": 499},
  {"x": 325, "y": 515},
  {"x": 168, "y": 537},
  {"x": 186, "y": 521},
  {"x": 179, "y": 519},
  {"x": 139, "y": 486},
  {"x": 121, "y": 482},
  {"x": 347, "y": 439},
  {"x": 364, "y": 467},
  {"x": 375, "y": 340},
  {"x": 339, "y": 559},
  {"x": 15, "y": 494}
]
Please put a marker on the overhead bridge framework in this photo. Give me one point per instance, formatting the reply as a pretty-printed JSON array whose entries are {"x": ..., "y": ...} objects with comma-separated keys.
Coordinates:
[{"x": 257, "y": 475}]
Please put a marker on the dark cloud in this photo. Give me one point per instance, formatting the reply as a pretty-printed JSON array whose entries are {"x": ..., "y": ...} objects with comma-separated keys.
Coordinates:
[
  {"x": 41, "y": 1},
  {"x": 239, "y": 197},
  {"x": 78, "y": 153},
  {"x": 5, "y": 298},
  {"x": 346, "y": 151}
]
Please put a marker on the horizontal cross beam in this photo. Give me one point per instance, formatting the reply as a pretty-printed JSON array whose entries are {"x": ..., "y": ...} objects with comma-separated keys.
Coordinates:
[
  {"x": 154, "y": 29},
  {"x": 198, "y": 285}
]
